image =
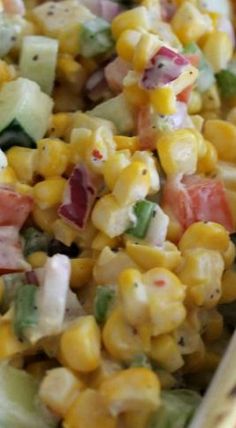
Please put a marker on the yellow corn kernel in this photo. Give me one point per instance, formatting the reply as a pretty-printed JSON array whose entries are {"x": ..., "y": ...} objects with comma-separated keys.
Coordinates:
[
  {"x": 211, "y": 99},
  {"x": 92, "y": 123},
  {"x": 228, "y": 286},
  {"x": 216, "y": 131},
  {"x": 110, "y": 264},
  {"x": 178, "y": 152},
  {"x": 165, "y": 351},
  {"x": 59, "y": 389},
  {"x": 101, "y": 241},
  {"x": 134, "y": 19},
  {"x": 148, "y": 159},
  {"x": 80, "y": 345},
  {"x": 214, "y": 327},
  {"x": 227, "y": 172},
  {"x": 44, "y": 219},
  {"x": 189, "y": 23},
  {"x": 202, "y": 271},
  {"x": 63, "y": 232},
  {"x": 194, "y": 362},
  {"x": 60, "y": 125},
  {"x": 163, "y": 100},
  {"x": 113, "y": 167},
  {"x": 211, "y": 361},
  {"x": 135, "y": 419},
  {"x": 132, "y": 184},
  {"x": 85, "y": 236},
  {"x": 119, "y": 338},
  {"x": 106, "y": 369},
  {"x": 197, "y": 122},
  {"x": 167, "y": 380},
  {"x": 126, "y": 143},
  {"x": 133, "y": 297},
  {"x": 147, "y": 46},
  {"x": 218, "y": 50},
  {"x": 186, "y": 78},
  {"x": 149, "y": 257},
  {"x": 127, "y": 43},
  {"x": 49, "y": 192},
  {"x": 229, "y": 255},
  {"x": 111, "y": 218},
  {"x": 231, "y": 117},
  {"x": 53, "y": 157},
  {"x": 38, "y": 369},
  {"x": 7, "y": 175},
  {"x": 79, "y": 142},
  {"x": 71, "y": 71},
  {"x": 7, "y": 72},
  {"x": 195, "y": 103},
  {"x": 101, "y": 147},
  {"x": 131, "y": 389},
  {"x": 81, "y": 271},
  {"x": 202, "y": 149},
  {"x": 89, "y": 410},
  {"x": 210, "y": 235},
  {"x": 24, "y": 189},
  {"x": 37, "y": 259},
  {"x": 208, "y": 162},
  {"x": 134, "y": 94},
  {"x": 23, "y": 161},
  {"x": 175, "y": 230},
  {"x": 10, "y": 345},
  {"x": 165, "y": 294}
]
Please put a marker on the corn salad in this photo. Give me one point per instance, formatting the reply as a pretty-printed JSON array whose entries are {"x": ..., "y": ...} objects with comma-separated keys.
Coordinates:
[{"x": 117, "y": 209}]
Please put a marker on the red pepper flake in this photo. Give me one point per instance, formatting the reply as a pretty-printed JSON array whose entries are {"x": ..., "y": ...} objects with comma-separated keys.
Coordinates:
[
  {"x": 96, "y": 154},
  {"x": 160, "y": 282}
]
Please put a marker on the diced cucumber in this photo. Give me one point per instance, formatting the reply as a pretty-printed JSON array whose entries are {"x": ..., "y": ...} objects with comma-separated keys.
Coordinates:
[
  {"x": 117, "y": 111},
  {"x": 143, "y": 212},
  {"x": 206, "y": 76},
  {"x": 24, "y": 113},
  {"x": 176, "y": 409},
  {"x": 34, "y": 240},
  {"x": 103, "y": 301},
  {"x": 226, "y": 80},
  {"x": 95, "y": 37},
  {"x": 223, "y": 7},
  {"x": 141, "y": 360},
  {"x": 25, "y": 309},
  {"x": 38, "y": 61},
  {"x": 20, "y": 406},
  {"x": 11, "y": 283},
  {"x": 10, "y": 29}
]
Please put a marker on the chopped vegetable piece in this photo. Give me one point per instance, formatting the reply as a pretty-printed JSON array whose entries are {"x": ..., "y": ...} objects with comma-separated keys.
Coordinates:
[
  {"x": 103, "y": 301},
  {"x": 25, "y": 309},
  {"x": 35, "y": 241},
  {"x": 226, "y": 80},
  {"x": 95, "y": 37},
  {"x": 176, "y": 410},
  {"x": 11, "y": 256},
  {"x": 197, "y": 199},
  {"x": 38, "y": 61},
  {"x": 19, "y": 100},
  {"x": 14, "y": 207},
  {"x": 206, "y": 76},
  {"x": 165, "y": 66},
  {"x": 79, "y": 197},
  {"x": 143, "y": 212},
  {"x": 19, "y": 405},
  {"x": 141, "y": 360},
  {"x": 11, "y": 283}
]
